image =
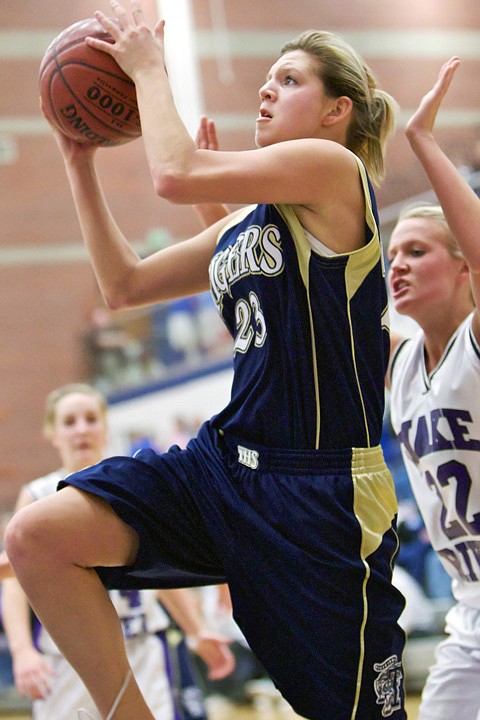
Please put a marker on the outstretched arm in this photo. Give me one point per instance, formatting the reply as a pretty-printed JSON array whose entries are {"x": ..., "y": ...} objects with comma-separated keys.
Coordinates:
[
  {"x": 125, "y": 279},
  {"x": 459, "y": 202},
  {"x": 302, "y": 171}
]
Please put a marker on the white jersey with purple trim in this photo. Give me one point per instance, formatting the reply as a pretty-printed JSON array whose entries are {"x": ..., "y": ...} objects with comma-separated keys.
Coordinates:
[
  {"x": 139, "y": 610},
  {"x": 436, "y": 417}
]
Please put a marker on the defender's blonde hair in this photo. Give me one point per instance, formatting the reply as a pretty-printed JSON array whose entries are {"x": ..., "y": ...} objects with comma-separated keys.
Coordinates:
[{"x": 434, "y": 212}]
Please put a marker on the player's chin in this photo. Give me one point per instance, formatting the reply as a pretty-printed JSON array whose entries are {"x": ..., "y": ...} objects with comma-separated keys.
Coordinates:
[
  {"x": 403, "y": 307},
  {"x": 85, "y": 458},
  {"x": 263, "y": 138}
]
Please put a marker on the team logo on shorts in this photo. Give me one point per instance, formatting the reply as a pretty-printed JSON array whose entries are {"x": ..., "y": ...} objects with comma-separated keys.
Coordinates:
[
  {"x": 247, "y": 457},
  {"x": 387, "y": 685}
]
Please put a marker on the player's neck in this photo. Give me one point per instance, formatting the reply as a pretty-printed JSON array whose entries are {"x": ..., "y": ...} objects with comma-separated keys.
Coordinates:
[{"x": 437, "y": 337}]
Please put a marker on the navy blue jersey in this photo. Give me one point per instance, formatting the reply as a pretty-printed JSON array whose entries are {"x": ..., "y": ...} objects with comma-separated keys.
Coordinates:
[
  {"x": 285, "y": 494},
  {"x": 310, "y": 332}
]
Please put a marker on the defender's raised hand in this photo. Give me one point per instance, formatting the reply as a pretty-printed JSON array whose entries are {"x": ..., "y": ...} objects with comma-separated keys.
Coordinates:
[{"x": 423, "y": 120}]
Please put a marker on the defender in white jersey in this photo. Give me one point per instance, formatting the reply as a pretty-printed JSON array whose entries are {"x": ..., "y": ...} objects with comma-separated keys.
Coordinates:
[
  {"x": 434, "y": 377},
  {"x": 75, "y": 424}
]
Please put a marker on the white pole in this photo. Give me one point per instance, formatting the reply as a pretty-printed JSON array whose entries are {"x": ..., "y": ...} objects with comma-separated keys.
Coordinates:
[
  {"x": 221, "y": 42},
  {"x": 182, "y": 60}
]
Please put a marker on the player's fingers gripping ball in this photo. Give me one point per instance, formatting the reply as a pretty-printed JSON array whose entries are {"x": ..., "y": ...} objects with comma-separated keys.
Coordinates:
[{"x": 84, "y": 92}]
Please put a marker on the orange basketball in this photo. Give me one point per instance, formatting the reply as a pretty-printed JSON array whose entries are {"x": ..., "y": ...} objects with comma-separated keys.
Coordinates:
[{"x": 84, "y": 92}]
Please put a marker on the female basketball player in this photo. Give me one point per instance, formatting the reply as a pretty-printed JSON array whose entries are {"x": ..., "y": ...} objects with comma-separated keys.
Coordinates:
[
  {"x": 284, "y": 493},
  {"x": 435, "y": 384},
  {"x": 76, "y": 425}
]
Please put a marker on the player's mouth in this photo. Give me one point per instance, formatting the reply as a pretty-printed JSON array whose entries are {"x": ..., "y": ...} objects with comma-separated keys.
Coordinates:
[
  {"x": 399, "y": 288},
  {"x": 84, "y": 446},
  {"x": 264, "y": 115}
]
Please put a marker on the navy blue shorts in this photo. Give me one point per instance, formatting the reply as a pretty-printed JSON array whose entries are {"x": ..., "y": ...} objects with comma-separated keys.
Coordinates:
[{"x": 305, "y": 540}]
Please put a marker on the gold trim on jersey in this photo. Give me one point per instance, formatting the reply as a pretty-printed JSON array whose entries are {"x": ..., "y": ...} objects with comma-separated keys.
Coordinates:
[
  {"x": 235, "y": 220},
  {"x": 375, "y": 507},
  {"x": 360, "y": 262},
  {"x": 304, "y": 251},
  {"x": 374, "y": 503}
]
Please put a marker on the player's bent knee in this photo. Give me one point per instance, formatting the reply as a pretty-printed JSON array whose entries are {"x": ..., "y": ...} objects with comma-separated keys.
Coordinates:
[
  {"x": 16, "y": 540},
  {"x": 25, "y": 537}
]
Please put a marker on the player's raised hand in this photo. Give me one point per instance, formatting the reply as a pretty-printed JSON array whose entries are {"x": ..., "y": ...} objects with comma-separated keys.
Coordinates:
[
  {"x": 206, "y": 138},
  {"x": 135, "y": 45},
  {"x": 423, "y": 120},
  {"x": 68, "y": 147}
]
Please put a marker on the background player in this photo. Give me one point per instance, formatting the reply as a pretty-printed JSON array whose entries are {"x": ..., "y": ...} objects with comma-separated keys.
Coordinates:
[
  {"x": 435, "y": 401},
  {"x": 76, "y": 425}
]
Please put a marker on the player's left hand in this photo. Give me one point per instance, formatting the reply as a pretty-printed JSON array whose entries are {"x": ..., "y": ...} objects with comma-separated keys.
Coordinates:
[
  {"x": 423, "y": 120},
  {"x": 135, "y": 46},
  {"x": 214, "y": 651},
  {"x": 206, "y": 138}
]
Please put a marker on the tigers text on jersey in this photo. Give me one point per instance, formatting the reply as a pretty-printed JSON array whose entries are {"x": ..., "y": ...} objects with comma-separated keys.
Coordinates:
[
  {"x": 437, "y": 419},
  {"x": 310, "y": 332}
]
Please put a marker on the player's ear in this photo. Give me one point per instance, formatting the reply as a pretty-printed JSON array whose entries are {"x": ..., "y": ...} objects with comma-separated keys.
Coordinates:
[
  {"x": 341, "y": 109},
  {"x": 465, "y": 271}
]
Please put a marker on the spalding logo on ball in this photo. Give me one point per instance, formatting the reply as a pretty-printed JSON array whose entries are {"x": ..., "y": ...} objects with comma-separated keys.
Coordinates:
[{"x": 84, "y": 92}]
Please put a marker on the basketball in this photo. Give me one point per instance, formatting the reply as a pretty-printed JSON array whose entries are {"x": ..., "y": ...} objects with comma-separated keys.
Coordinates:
[{"x": 84, "y": 92}]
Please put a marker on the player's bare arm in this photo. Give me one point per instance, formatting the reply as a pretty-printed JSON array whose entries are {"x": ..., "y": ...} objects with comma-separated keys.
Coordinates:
[
  {"x": 458, "y": 200},
  {"x": 125, "y": 279},
  {"x": 297, "y": 171}
]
